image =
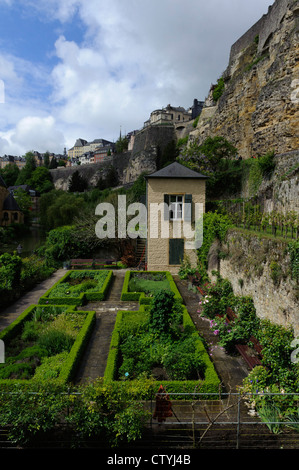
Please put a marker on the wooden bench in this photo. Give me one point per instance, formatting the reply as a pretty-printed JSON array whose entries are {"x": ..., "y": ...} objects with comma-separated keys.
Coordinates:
[
  {"x": 229, "y": 315},
  {"x": 251, "y": 360},
  {"x": 257, "y": 346},
  {"x": 252, "y": 356},
  {"x": 81, "y": 263},
  {"x": 90, "y": 263}
]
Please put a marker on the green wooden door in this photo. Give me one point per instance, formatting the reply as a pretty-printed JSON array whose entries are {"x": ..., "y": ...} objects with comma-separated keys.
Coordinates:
[{"x": 176, "y": 250}]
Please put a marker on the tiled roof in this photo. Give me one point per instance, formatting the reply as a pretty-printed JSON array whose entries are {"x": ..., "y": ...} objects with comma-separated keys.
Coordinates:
[
  {"x": 10, "y": 204},
  {"x": 176, "y": 170}
]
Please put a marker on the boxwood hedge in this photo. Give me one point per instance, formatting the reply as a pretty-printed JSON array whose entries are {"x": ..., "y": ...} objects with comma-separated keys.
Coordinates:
[
  {"x": 140, "y": 296},
  {"x": 84, "y": 297},
  {"x": 210, "y": 384}
]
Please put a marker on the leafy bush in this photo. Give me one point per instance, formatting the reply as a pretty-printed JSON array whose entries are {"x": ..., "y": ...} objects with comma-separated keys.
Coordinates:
[
  {"x": 62, "y": 245},
  {"x": 55, "y": 341},
  {"x": 50, "y": 367},
  {"x": 31, "y": 331},
  {"x": 215, "y": 226}
]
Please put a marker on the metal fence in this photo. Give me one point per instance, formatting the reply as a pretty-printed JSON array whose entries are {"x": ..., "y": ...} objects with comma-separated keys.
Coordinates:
[
  {"x": 229, "y": 420},
  {"x": 217, "y": 421}
]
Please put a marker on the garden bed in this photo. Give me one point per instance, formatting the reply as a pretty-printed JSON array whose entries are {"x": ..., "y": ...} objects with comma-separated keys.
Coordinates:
[
  {"x": 178, "y": 361},
  {"x": 45, "y": 343},
  {"x": 79, "y": 287},
  {"x": 141, "y": 286}
]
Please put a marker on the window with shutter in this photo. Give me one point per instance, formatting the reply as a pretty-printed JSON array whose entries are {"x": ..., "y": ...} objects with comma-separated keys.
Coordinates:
[{"x": 188, "y": 208}]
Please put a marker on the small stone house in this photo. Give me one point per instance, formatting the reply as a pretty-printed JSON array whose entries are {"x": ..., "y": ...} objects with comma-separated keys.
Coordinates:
[
  {"x": 10, "y": 212},
  {"x": 177, "y": 191}
]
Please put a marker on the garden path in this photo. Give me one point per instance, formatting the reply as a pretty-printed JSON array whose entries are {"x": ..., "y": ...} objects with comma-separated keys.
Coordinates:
[
  {"x": 231, "y": 369},
  {"x": 9, "y": 314},
  {"x": 93, "y": 363}
]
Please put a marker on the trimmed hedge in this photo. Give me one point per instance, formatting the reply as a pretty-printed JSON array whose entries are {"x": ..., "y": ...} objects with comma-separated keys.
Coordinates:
[
  {"x": 83, "y": 298},
  {"x": 69, "y": 367},
  {"x": 140, "y": 296},
  {"x": 209, "y": 385}
]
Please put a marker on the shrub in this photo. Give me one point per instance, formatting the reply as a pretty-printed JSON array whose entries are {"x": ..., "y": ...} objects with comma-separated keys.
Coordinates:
[
  {"x": 136, "y": 351},
  {"x": 219, "y": 89},
  {"x": 266, "y": 163},
  {"x": 161, "y": 315}
]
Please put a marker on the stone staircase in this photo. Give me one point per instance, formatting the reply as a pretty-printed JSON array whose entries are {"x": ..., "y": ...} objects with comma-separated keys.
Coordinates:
[{"x": 141, "y": 253}]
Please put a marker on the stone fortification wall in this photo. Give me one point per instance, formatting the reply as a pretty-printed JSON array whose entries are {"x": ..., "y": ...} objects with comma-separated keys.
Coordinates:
[
  {"x": 264, "y": 28},
  {"x": 129, "y": 165},
  {"x": 153, "y": 138}
]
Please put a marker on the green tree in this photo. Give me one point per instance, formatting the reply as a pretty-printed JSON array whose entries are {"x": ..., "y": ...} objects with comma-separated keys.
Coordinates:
[
  {"x": 41, "y": 180},
  {"x": 25, "y": 203},
  {"x": 219, "y": 89},
  {"x": 53, "y": 164},
  {"x": 10, "y": 174},
  {"x": 121, "y": 144},
  {"x": 58, "y": 208},
  {"x": 161, "y": 313},
  {"x": 47, "y": 159},
  {"x": 77, "y": 183},
  {"x": 62, "y": 245},
  {"x": 26, "y": 172},
  {"x": 209, "y": 155}
]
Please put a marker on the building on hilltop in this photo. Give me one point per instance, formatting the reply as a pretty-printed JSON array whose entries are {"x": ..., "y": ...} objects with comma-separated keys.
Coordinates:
[
  {"x": 175, "y": 115},
  {"x": 85, "y": 152},
  {"x": 168, "y": 115},
  {"x": 12, "y": 160},
  {"x": 10, "y": 212}
]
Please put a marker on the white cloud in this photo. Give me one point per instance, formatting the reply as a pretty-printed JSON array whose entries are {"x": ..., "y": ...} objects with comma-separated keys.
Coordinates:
[
  {"x": 33, "y": 133},
  {"x": 134, "y": 57}
]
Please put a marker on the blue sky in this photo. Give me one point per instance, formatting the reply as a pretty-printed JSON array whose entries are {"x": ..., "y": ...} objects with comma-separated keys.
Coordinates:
[{"x": 78, "y": 68}]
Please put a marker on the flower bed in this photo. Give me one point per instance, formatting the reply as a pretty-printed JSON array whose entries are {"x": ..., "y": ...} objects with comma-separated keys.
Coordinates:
[
  {"x": 149, "y": 282},
  {"x": 45, "y": 343},
  {"x": 78, "y": 287}
]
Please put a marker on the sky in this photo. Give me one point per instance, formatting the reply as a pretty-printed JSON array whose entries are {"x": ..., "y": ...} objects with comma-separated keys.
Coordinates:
[{"x": 91, "y": 69}]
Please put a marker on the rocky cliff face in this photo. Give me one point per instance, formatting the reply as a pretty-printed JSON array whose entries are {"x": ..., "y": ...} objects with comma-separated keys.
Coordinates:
[{"x": 259, "y": 109}]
